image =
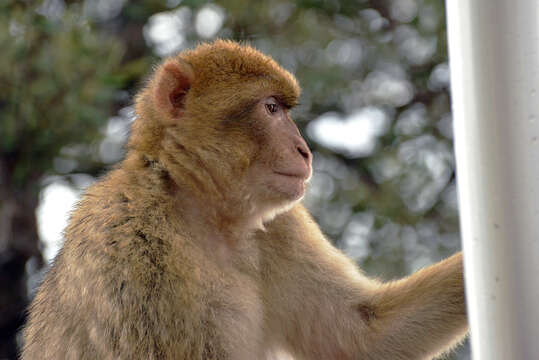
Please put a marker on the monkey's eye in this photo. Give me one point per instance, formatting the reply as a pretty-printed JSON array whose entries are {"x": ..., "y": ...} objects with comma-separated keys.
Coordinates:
[{"x": 272, "y": 107}]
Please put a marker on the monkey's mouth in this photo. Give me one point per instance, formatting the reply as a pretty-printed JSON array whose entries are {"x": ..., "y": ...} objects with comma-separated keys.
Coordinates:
[{"x": 305, "y": 176}]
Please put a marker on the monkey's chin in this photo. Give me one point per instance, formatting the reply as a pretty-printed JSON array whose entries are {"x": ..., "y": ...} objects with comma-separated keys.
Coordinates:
[
  {"x": 289, "y": 188},
  {"x": 281, "y": 195}
]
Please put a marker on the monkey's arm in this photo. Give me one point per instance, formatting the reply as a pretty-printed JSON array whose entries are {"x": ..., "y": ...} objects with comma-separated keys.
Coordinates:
[
  {"x": 328, "y": 309},
  {"x": 422, "y": 315}
]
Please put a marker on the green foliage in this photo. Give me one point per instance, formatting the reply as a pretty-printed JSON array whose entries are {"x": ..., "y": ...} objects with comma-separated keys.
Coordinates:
[{"x": 58, "y": 78}]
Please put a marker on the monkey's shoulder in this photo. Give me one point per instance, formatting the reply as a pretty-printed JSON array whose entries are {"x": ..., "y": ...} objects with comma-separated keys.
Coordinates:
[{"x": 113, "y": 277}]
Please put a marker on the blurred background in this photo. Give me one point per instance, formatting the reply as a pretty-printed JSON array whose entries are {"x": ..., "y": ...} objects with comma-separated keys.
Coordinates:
[{"x": 375, "y": 110}]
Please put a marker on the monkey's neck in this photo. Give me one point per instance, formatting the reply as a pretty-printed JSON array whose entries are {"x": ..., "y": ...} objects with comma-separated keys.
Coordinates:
[
  {"x": 223, "y": 216},
  {"x": 219, "y": 225}
]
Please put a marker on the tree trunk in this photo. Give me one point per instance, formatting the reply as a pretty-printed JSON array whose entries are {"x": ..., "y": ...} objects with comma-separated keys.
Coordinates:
[{"x": 19, "y": 243}]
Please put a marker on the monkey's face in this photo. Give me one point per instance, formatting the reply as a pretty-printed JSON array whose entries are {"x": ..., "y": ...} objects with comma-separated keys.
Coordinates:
[
  {"x": 282, "y": 165},
  {"x": 217, "y": 117}
]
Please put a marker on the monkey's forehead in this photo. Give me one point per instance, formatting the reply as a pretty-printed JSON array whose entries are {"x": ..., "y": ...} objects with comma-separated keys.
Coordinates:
[{"x": 227, "y": 64}]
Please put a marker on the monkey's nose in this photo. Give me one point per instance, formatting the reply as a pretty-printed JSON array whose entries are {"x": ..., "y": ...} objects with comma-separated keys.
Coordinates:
[{"x": 304, "y": 151}]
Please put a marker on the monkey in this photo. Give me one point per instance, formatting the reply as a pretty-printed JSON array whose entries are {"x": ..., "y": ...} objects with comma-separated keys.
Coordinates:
[{"x": 197, "y": 246}]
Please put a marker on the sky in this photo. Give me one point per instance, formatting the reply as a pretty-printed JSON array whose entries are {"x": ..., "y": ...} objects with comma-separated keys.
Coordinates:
[{"x": 57, "y": 200}]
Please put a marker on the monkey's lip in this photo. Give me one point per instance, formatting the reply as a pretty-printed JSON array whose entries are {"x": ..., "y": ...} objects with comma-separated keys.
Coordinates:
[{"x": 297, "y": 175}]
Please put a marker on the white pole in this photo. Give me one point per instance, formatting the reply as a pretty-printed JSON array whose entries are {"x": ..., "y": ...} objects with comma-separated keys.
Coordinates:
[{"x": 494, "y": 62}]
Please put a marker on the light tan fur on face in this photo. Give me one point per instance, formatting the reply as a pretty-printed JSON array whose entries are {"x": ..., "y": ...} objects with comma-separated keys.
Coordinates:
[{"x": 164, "y": 258}]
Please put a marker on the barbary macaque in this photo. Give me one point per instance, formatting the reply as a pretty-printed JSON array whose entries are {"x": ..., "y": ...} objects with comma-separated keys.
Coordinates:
[{"x": 197, "y": 247}]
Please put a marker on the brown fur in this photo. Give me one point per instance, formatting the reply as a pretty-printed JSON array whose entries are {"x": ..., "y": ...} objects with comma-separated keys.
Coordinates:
[{"x": 166, "y": 258}]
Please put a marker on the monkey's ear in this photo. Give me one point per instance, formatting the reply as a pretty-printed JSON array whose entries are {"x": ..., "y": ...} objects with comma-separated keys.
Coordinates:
[{"x": 172, "y": 82}]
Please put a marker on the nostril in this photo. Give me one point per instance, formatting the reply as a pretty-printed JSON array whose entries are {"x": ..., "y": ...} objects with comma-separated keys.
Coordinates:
[{"x": 305, "y": 153}]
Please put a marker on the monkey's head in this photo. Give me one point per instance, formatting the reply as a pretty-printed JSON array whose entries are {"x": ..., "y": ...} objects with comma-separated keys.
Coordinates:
[{"x": 216, "y": 118}]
